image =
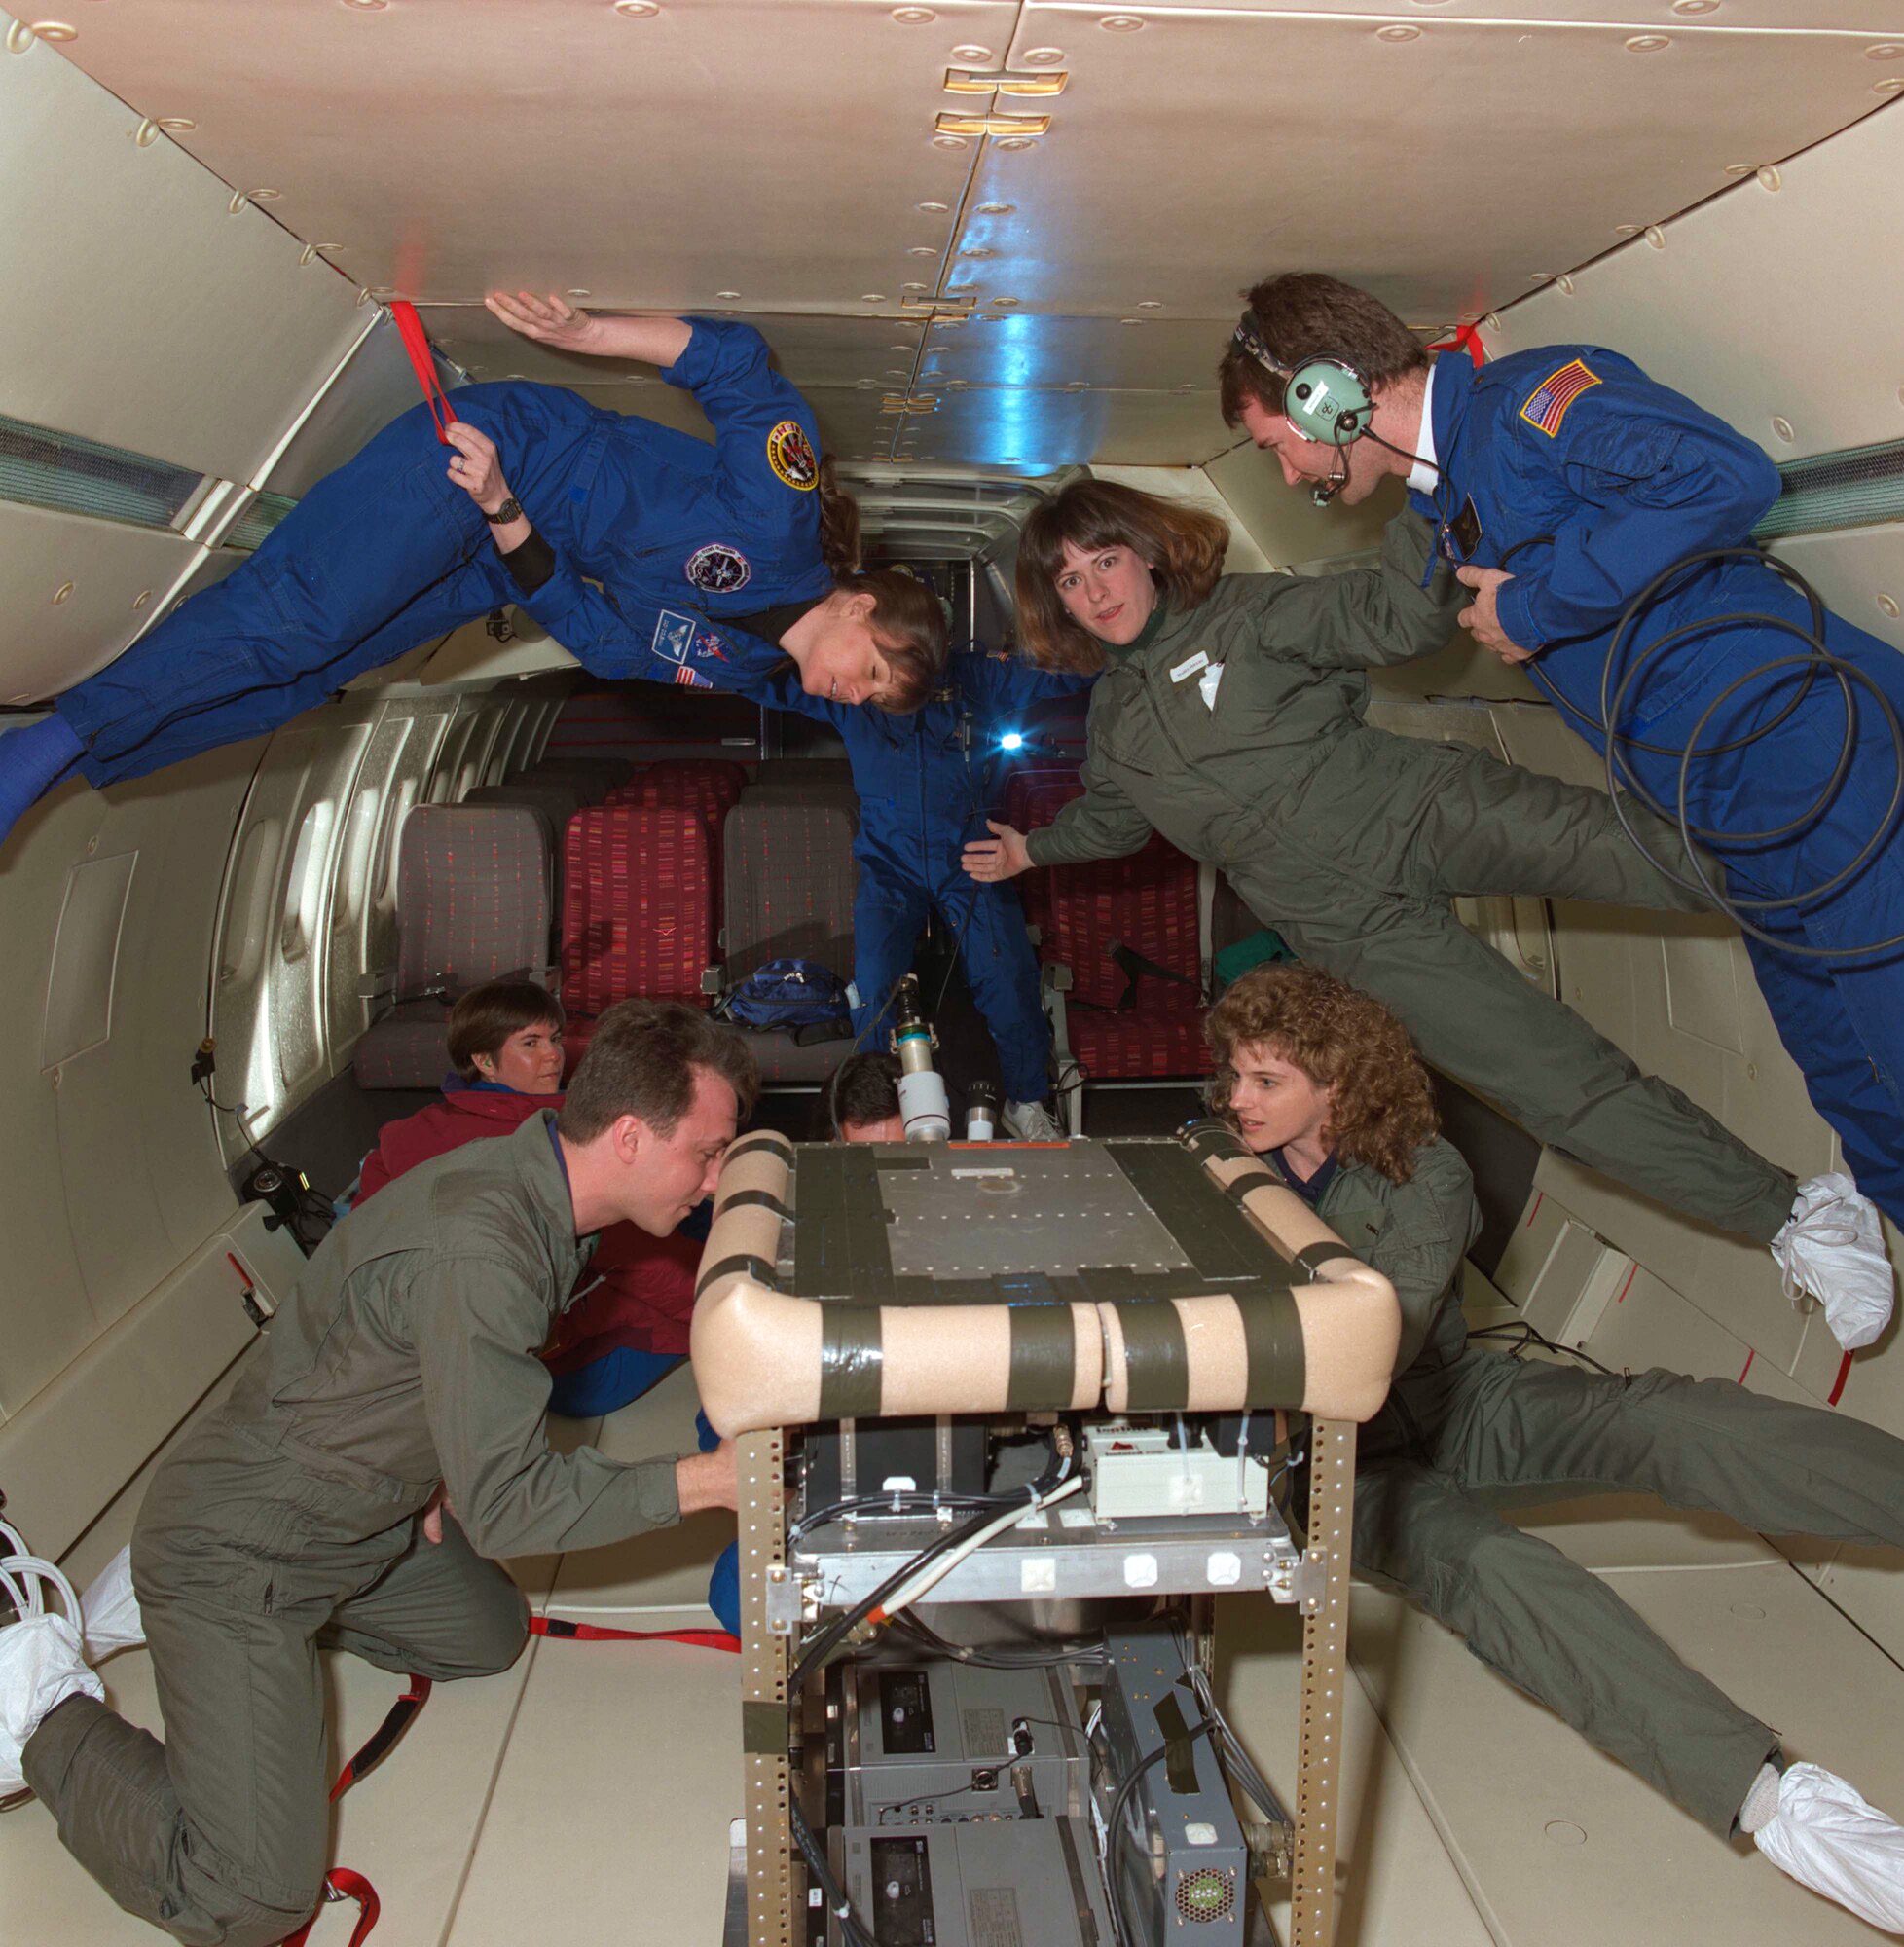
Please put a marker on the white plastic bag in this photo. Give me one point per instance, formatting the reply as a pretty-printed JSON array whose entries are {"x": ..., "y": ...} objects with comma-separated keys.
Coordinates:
[
  {"x": 41, "y": 1665},
  {"x": 1833, "y": 1248},
  {"x": 1827, "y": 1838},
  {"x": 112, "y": 1610}
]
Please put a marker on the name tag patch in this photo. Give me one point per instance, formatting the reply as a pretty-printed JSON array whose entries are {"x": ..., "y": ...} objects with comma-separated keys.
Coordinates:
[{"x": 1187, "y": 669}]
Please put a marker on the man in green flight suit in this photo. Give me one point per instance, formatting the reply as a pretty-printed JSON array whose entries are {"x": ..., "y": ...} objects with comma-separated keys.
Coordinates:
[
  {"x": 401, "y": 1371},
  {"x": 1322, "y": 1084}
]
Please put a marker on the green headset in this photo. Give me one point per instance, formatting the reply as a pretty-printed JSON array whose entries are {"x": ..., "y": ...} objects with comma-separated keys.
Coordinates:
[{"x": 1326, "y": 399}]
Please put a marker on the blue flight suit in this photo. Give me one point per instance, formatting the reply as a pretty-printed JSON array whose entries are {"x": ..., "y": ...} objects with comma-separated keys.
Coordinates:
[
  {"x": 1584, "y": 479},
  {"x": 387, "y": 552},
  {"x": 923, "y": 795}
]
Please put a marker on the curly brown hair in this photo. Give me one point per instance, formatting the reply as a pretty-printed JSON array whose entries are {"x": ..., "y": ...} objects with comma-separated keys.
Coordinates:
[
  {"x": 1383, "y": 1106},
  {"x": 1306, "y": 315},
  {"x": 1184, "y": 546}
]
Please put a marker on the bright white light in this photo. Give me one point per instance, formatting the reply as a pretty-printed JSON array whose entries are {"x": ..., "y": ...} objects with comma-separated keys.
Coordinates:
[{"x": 1012, "y": 741}]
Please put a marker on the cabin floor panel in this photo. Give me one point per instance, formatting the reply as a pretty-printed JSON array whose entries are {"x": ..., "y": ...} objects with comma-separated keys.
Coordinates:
[{"x": 1561, "y": 1846}]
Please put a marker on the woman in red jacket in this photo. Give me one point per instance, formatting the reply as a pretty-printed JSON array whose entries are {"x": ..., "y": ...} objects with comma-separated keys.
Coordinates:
[{"x": 628, "y": 1327}]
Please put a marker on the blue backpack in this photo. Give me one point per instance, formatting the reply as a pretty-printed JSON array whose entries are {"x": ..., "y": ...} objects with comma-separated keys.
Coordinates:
[{"x": 789, "y": 994}]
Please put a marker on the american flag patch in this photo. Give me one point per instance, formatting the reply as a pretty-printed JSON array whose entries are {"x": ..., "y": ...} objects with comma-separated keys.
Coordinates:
[
  {"x": 692, "y": 677},
  {"x": 1548, "y": 406}
]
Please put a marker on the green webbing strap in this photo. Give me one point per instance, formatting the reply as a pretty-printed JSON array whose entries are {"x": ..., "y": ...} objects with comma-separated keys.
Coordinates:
[
  {"x": 1312, "y": 1257},
  {"x": 765, "y": 1727},
  {"x": 851, "y": 1361},
  {"x": 753, "y": 1200},
  {"x": 757, "y": 1269},
  {"x": 1156, "y": 1360},
  {"x": 1043, "y": 1357},
  {"x": 1273, "y": 1341}
]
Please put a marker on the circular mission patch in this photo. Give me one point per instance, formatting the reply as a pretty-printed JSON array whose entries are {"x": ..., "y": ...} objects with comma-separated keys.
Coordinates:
[
  {"x": 717, "y": 568},
  {"x": 790, "y": 453}
]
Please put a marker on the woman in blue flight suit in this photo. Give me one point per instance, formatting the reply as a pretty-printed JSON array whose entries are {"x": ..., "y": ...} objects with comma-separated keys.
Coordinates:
[
  {"x": 1563, "y": 481},
  {"x": 922, "y": 783},
  {"x": 403, "y": 543}
]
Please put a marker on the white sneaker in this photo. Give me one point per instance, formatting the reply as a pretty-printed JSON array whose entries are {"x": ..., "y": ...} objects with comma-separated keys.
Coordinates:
[
  {"x": 1032, "y": 1122},
  {"x": 40, "y": 1661},
  {"x": 1826, "y": 1837},
  {"x": 1833, "y": 1248},
  {"x": 110, "y": 1610}
]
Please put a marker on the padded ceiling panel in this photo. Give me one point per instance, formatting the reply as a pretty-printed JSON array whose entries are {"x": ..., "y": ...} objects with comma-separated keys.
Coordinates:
[{"x": 1450, "y": 169}]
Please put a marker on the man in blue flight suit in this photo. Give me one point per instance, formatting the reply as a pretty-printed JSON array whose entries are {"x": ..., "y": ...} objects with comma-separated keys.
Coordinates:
[
  {"x": 618, "y": 534},
  {"x": 1563, "y": 481},
  {"x": 924, "y": 783}
]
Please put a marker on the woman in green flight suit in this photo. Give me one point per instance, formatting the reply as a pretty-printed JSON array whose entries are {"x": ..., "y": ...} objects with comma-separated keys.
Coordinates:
[
  {"x": 1321, "y": 1084},
  {"x": 1230, "y": 717}
]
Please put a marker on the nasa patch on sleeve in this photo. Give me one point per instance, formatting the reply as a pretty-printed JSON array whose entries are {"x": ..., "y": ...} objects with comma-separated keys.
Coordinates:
[
  {"x": 790, "y": 453},
  {"x": 717, "y": 568}
]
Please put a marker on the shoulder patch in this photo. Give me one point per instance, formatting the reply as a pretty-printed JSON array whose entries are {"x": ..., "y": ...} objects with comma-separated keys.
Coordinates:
[
  {"x": 718, "y": 570},
  {"x": 1547, "y": 405},
  {"x": 673, "y": 635},
  {"x": 790, "y": 453}
]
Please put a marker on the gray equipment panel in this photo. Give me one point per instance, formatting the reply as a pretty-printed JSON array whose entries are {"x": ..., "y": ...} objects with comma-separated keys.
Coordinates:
[
  {"x": 1026, "y": 1883},
  {"x": 1182, "y": 1804},
  {"x": 933, "y": 1742}
]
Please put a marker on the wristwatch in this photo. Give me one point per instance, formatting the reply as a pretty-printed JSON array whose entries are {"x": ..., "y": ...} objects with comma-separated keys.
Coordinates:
[{"x": 510, "y": 510}]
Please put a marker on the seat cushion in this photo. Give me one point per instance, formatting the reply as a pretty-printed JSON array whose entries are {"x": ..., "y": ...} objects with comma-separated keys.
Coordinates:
[
  {"x": 1156, "y": 1039},
  {"x": 473, "y": 896},
  {"x": 637, "y": 911},
  {"x": 409, "y": 1048}
]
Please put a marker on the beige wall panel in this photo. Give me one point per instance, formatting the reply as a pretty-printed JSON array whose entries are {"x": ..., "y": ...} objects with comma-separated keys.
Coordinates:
[
  {"x": 89, "y": 1432},
  {"x": 1163, "y": 182},
  {"x": 1287, "y": 525},
  {"x": 706, "y": 133},
  {"x": 1044, "y": 430},
  {"x": 1762, "y": 302},
  {"x": 48, "y": 642},
  {"x": 1857, "y": 570},
  {"x": 136, "y": 309},
  {"x": 1865, "y": 19},
  {"x": 1146, "y": 354},
  {"x": 375, "y": 385}
]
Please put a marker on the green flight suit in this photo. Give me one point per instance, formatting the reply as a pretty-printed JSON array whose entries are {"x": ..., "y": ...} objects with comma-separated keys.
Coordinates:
[
  {"x": 1467, "y": 1431},
  {"x": 1352, "y": 843},
  {"x": 405, "y": 1355}
]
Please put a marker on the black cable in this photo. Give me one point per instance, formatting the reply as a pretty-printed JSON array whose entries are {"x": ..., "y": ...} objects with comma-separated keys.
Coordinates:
[
  {"x": 1001, "y": 1656},
  {"x": 901, "y": 1502},
  {"x": 1622, "y": 681},
  {"x": 1522, "y": 1337}
]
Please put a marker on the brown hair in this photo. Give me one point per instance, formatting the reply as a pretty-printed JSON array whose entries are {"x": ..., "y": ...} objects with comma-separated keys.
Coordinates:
[
  {"x": 839, "y": 520},
  {"x": 908, "y": 623},
  {"x": 641, "y": 1061},
  {"x": 1304, "y": 314},
  {"x": 488, "y": 1016},
  {"x": 1382, "y": 1109},
  {"x": 1183, "y": 545},
  {"x": 865, "y": 1089}
]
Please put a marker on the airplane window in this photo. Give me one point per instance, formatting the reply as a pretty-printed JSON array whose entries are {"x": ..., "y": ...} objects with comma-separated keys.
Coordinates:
[
  {"x": 353, "y": 858},
  {"x": 385, "y": 874},
  {"x": 245, "y": 926},
  {"x": 304, "y": 888}
]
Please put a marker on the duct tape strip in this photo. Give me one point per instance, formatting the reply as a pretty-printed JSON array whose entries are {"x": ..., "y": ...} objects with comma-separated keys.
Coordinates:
[
  {"x": 851, "y": 1361},
  {"x": 764, "y": 1139},
  {"x": 766, "y": 1727},
  {"x": 1043, "y": 1357},
  {"x": 1273, "y": 1341},
  {"x": 1312, "y": 1257},
  {"x": 752, "y": 1200},
  {"x": 1156, "y": 1360},
  {"x": 1208, "y": 1137},
  {"x": 757, "y": 1269},
  {"x": 1178, "y": 1759}
]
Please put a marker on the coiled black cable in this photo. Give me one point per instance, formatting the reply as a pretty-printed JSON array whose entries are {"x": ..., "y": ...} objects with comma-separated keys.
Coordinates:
[{"x": 1621, "y": 682}]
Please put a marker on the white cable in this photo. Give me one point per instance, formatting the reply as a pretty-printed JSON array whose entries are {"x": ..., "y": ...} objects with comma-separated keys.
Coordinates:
[
  {"x": 935, "y": 1571},
  {"x": 31, "y": 1570}
]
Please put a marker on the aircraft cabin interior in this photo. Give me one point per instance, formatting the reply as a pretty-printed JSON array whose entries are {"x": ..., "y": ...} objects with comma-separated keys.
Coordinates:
[{"x": 999, "y": 249}]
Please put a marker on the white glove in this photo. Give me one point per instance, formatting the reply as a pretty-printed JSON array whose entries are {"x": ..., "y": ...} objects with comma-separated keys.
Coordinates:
[{"x": 1826, "y": 1837}]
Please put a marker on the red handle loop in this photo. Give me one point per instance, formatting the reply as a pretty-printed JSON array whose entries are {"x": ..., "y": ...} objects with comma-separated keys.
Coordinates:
[
  {"x": 561, "y": 1627},
  {"x": 1467, "y": 338},
  {"x": 341, "y": 1883},
  {"x": 422, "y": 361}
]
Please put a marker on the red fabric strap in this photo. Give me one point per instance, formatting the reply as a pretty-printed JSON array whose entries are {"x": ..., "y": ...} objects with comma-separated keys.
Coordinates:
[
  {"x": 422, "y": 361},
  {"x": 1844, "y": 1374},
  {"x": 341, "y": 1883},
  {"x": 560, "y": 1628},
  {"x": 1467, "y": 338}
]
